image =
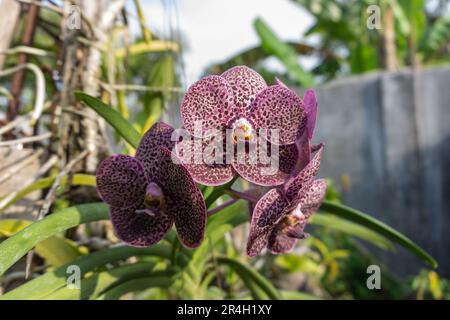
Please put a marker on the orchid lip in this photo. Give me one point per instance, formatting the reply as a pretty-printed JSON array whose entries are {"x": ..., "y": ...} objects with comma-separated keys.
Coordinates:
[
  {"x": 291, "y": 225},
  {"x": 154, "y": 197}
]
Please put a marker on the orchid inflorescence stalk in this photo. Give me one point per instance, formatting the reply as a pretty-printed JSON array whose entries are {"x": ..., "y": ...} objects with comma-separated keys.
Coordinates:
[{"x": 229, "y": 121}]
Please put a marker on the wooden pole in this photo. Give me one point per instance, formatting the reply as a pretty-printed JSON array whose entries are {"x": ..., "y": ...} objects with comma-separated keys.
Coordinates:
[{"x": 18, "y": 78}]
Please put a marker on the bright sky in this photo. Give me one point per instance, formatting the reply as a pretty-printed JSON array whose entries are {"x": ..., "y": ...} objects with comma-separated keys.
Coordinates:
[{"x": 217, "y": 29}]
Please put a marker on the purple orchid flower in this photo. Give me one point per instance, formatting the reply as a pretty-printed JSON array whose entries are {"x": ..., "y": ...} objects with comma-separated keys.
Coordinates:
[
  {"x": 280, "y": 216},
  {"x": 241, "y": 101},
  {"x": 148, "y": 193}
]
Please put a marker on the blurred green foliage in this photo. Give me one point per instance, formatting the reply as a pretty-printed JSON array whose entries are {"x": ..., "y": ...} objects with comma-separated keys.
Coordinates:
[{"x": 343, "y": 44}]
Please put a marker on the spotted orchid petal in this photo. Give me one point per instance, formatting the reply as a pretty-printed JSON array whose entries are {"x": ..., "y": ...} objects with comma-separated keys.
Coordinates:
[
  {"x": 311, "y": 197},
  {"x": 277, "y": 107},
  {"x": 159, "y": 135},
  {"x": 208, "y": 103},
  {"x": 310, "y": 101},
  {"x": 257, "y": 241},
  {"x": 121, "y": 181},
  {"x": 267, "y": 212},
  {"x": 245, "y": 83},
  {"x": 138, "y": 228},
  {"x": 199, "y": 158},
  {"x": 307, "y": 174},
  {"x": 260, "y": 168},
  {"x": 184, "y": 201}
]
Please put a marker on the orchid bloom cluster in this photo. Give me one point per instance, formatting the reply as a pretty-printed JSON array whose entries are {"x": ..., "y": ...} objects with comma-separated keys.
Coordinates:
[{"x": 225, "y": 119}]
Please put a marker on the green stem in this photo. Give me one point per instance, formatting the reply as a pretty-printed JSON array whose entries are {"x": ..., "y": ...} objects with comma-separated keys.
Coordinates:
[{"x": 242, "y": 195}]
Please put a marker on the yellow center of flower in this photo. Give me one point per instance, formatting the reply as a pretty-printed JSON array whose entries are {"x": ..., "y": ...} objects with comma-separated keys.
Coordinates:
[{"x": 242, "y": 130}]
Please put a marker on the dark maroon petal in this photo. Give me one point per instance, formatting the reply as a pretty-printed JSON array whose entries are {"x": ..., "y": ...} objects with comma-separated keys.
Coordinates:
[
  {"x": 121, "y": 180},
  {"x": 185, "y": 203},
  {"x": 281, "y": 243},
  {"x": 311, "y": 197},
  {"x": 159, "y": 135},
  {"x": 214, "y": 172},
  {"x": 310, "y": 101},
  {"x": 278, "y": 107},
  {"x": 208, "y": 102},
  {"x": 264, "y": 171},
  {"x": 294, "y": 185},
  {"x": 268, "y": 211},
  {"x": 246, "y": 83},
  {"x": 137, "y": 228}
]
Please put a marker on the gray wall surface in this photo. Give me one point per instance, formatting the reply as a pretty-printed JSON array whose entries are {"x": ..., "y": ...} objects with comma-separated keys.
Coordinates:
[{"x": 390, "y": 134}]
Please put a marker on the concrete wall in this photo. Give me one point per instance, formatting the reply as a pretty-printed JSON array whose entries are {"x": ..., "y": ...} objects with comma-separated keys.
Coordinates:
[{"x": 390, "y": 134}]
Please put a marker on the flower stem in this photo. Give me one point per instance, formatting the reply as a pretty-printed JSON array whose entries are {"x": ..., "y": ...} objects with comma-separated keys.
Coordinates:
[
  {"x": 242, "y": 195},
  {"x": 221, "y": 206}
]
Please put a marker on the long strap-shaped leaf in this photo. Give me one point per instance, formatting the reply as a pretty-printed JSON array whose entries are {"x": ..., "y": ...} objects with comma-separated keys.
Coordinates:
[
  {"x": 15, "y": 247},
  {"x": 114, "y": 118},
  {"x": 91, "y": 287},
  {"x": 248, "y": 274},
  {"x": 378, "y": 226},
  {"x": 136, "y": 285},
  {"x": 331, "y": 221},
  {"x": 284, "y": 52},
  {"x": 53, "y": 280}
]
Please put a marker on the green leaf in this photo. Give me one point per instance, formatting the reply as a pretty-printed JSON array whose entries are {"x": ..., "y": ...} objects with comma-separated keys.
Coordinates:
[
  {"x": 77, "y": 180},
  {"x": 15, "y": 247},
  {"x": 55, "y": 279},
  {"x": 303, "y": 263},
  {"x": 55, "y": 250},
  {"x": 114, "y": 118},
  {"x": 162, "y": 74},
  {"x": 8, "y": 227},
  {"x": 58, "y": 251},
  {"x": 286, "y": 54},
  {"x": 252, "y": 56},
  {"x": 136, "y": 285},
  {"x": 400, "y": 17},
  {"x": 363, "y": 58},
  {"x": 437, "y": 36},
  {"x": 94, "y": 285},
  {"x": 296, "y": 295},
  {"x": 143, "y": 47},
  {"x": 248, "y": 274},
  {"x": 332, "y": 222},
  {"x": 379, "y": 227}
]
